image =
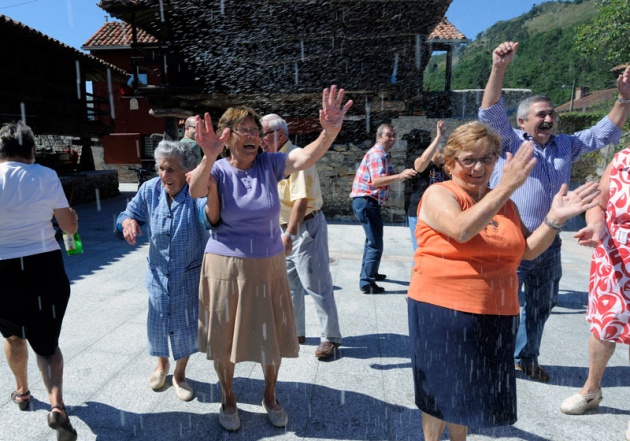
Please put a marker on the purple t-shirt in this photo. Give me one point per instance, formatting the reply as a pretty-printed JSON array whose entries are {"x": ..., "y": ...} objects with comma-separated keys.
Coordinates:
[{"x": 250, "y": 208}]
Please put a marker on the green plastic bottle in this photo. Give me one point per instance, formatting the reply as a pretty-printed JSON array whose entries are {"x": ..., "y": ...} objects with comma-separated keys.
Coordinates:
[{"x": 73, "y": 243}]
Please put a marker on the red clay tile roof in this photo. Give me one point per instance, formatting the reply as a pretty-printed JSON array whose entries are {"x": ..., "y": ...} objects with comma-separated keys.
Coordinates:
[
  {"x": 446, "y": 31},
  {"x": 593, "y": 99},
  {"x": 117, "y": 33}
]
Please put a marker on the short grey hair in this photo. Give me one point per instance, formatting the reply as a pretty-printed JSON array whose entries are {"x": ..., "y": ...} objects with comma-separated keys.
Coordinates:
[
  {"x": 172, "y": 149},
  {"x": 275, "y": 122},
  {"x": 16, "y": 140},
  {"x": 524, "y": 106}
]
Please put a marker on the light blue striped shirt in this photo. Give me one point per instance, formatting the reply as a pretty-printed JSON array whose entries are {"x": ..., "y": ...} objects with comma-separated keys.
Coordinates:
[{"x": 553, "y": 168}]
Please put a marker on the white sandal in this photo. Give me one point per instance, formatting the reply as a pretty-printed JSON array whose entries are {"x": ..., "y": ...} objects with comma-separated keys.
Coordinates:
[{"x": 577, "y": 404}]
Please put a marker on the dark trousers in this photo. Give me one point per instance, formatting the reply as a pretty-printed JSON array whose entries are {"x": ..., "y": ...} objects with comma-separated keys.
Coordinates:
[{"x": 368, "y": 212}]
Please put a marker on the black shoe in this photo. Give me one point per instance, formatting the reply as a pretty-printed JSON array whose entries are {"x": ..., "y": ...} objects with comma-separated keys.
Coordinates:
[
  {"x": 533, "y": 370},
  {"x": 380, "y": 277},
  {"x": 372, "y": 289},
  {"x": 61, "y": 423}
]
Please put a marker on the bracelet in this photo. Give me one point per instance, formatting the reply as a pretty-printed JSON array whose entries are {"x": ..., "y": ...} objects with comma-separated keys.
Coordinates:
[
  {"x": 623, "y": 100},
  {"x": 554, "y": 225},
  {"x": 290, "y": 236}
]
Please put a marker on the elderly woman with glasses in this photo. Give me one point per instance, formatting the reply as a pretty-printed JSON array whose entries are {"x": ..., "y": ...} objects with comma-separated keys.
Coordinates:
[
  {"x": 246, "y": 312},
  {"x": 463, "y": 331}
]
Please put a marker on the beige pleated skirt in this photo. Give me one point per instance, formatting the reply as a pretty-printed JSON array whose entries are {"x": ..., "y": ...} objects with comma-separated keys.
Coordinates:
[{"x": 245, "y": 310}]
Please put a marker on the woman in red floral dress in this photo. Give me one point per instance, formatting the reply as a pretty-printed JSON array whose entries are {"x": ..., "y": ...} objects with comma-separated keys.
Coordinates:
[{"x": 608, "y": 229}]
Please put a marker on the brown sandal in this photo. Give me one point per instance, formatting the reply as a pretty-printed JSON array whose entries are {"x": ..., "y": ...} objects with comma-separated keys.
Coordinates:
[
  {"x": 61, "y": 423},
  {"x": 22, "y": 403}
]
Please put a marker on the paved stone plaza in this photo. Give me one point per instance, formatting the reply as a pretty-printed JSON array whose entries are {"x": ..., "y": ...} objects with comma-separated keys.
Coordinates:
[{"x": 365, "y": 394}]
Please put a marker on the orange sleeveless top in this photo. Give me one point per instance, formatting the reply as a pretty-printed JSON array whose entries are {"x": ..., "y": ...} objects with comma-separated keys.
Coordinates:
[{"x": 478, "y": 276}]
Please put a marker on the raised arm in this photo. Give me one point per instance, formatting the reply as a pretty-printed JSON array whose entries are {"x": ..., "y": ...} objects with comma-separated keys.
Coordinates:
[
  {"x": 423, "y": 160},
  {"x": 211, "y": 144},
  {"x": 331, "y": 119},
  {"x": 213, "y": 203},
  {"x": 502, "y": 56},
  {"x": 620, "y": 111}
]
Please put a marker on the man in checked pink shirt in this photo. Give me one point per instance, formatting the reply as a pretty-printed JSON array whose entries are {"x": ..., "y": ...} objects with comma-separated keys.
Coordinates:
[{"x": 370, "y": 190}]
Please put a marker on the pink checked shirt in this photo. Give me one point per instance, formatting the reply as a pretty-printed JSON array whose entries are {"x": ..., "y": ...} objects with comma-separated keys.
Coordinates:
[{"x": 375, "y": 164}]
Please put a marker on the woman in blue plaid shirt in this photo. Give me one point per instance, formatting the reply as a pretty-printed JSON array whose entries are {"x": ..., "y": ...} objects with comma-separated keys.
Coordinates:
[{"x": 178, "y": 235}]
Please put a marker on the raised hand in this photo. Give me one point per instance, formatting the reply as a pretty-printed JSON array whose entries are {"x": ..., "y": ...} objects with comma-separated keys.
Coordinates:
[
  {"x": 567, "y": 204},
  {"x": 623, "y": 84},
  {"x": 518, "y": 166},
  {"x": 504, "y": 54},
  {"x": 208, "y": 140},
  {"x": 332, "y": 113},
  {"x": 440, "y": 129}
]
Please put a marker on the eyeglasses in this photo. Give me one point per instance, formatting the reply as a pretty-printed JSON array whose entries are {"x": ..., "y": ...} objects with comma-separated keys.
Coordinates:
[
  {"x": 269, "y": 132},
  {"x": 471, "y": 162},
  {"x": 247, "y": 131}
]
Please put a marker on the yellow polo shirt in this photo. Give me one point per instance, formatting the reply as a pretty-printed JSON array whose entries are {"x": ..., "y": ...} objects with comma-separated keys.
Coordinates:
[{"x": 299, "y": 185}]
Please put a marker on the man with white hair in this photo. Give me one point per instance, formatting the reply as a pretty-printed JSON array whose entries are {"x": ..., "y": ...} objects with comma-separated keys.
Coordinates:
[
  {"x": 539, "y": 279},
  {"x": 305, "y": 238}
]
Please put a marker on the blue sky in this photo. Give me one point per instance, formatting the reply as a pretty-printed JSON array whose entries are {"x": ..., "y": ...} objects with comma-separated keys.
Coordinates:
[{"x": 73, "y": 22}]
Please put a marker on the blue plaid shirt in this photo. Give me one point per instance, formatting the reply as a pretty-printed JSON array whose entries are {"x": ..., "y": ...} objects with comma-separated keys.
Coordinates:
[
  {"x": 176, "y": 248},
  {"x": 553, "y": 168}
]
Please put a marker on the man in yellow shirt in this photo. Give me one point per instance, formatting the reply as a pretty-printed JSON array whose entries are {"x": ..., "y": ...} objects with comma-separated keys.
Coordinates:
[{"x": 305, "y": 238}]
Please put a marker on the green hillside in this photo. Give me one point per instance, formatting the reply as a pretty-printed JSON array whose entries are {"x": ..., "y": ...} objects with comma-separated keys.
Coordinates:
[{"x": 547, "y": 61}]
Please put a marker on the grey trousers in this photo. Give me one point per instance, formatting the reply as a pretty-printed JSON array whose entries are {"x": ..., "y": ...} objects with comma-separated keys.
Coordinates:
[{"x": 308, "y": 268}]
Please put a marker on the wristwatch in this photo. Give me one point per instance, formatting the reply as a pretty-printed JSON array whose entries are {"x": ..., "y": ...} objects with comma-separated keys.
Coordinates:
[
  {"x": 623, "y": 100},
  {"x": 291, "y": 236}
]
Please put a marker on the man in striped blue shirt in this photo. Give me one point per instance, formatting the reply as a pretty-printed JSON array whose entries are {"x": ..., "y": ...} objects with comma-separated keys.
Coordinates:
[{"x": 539, "y": 279}]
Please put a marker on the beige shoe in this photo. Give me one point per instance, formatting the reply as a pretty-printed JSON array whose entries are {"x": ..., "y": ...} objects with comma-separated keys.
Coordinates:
[
  {"x": 628, "y": 433},
  {"x": 577, "y": 404},
  {"x": 278, "y": 418},
  {"x": 158, "y": 378},
  {"x": 183, "y": 391},
  {"x": 229, "y": 421}
]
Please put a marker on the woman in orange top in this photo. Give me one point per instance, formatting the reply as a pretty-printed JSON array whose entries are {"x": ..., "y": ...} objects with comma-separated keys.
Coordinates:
[{"x": 463, "y": 303}]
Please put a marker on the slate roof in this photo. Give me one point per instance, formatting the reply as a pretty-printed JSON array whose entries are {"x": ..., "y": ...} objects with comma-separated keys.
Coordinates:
[
  {"x": 34, "y": 34},
  {"x": 118, "y": 33}
]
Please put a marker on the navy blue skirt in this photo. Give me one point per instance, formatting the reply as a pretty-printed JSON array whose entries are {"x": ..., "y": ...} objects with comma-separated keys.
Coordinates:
[{"x": 463, "y": 365}]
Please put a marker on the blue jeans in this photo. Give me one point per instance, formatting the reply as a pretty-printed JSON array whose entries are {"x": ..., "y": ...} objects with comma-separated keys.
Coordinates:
[
  {"x": 539, "y": 283},
  {"x": 368, "y": 212},
  {"x": 413, "y": 221}
]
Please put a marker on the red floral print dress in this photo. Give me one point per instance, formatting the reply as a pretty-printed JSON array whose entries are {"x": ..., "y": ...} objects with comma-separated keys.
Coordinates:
[{"x": 609, "y": 287}]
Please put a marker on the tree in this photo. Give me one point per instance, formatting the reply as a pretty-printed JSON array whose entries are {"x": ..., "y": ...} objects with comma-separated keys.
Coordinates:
[{"x": 608, "y": 35}]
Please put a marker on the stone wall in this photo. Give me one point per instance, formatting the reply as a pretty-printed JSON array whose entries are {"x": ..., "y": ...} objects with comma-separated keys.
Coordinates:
[
  {"x": 338, "y": 166},
  {"x": 81, "y": 187}
]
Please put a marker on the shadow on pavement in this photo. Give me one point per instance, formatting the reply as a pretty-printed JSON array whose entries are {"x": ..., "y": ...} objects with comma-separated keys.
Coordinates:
[
  {"x": 315, "y": 412},
  {"x": 96, "y": 227}
]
